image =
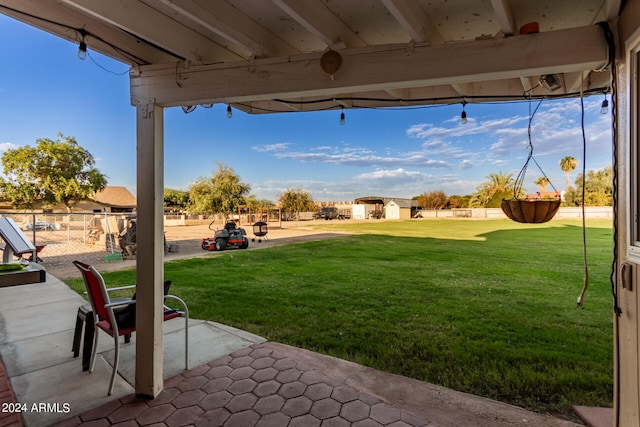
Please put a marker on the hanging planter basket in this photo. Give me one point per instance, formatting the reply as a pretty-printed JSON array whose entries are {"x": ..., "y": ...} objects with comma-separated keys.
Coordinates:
[
  {"x": 530, "y": 211},
  {"x": 526, "y": 210}
]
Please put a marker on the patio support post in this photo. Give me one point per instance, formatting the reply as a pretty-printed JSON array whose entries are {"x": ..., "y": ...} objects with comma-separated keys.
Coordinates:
[{"x": 150, "y": 248}]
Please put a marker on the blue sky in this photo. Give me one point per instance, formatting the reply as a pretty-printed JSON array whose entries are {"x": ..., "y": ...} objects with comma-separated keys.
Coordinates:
[{"x": 45, "y": 89}]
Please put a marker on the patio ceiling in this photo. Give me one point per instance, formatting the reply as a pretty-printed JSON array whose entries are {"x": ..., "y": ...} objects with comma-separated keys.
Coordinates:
[{"x": 265, "y": 56}]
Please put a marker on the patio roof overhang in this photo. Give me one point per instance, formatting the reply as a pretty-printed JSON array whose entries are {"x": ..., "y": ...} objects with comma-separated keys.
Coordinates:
[
  {"x": 264, "y": 57},
  {"x": 398, "y": 75}
]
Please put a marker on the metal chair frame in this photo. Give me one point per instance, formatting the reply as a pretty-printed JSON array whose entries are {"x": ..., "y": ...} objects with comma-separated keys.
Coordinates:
[{"x": 104, "y": 310}]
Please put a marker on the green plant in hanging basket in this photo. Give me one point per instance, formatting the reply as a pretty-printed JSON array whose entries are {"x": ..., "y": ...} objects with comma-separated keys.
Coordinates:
[{"x": 525, "y": 210}]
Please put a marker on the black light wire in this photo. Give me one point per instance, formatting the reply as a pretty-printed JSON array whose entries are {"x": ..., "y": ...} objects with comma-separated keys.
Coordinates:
[
  {"x": 614, "y": 111},
  {"x": 454, "y": 99},
  {"x": 106, "y": 69},
  {"x": 585, "y": 285},
  {"x": 613, "y": 278},
  {"x": 519, "y": 182},
  {"x": 438, "y": 102},
  {"x": 517, "y": 186},
  {"x": 83, "y": 32}
]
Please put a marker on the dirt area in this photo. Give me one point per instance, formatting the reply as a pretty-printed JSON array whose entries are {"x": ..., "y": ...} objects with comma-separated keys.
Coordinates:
[{"x": 58, "y": 254}]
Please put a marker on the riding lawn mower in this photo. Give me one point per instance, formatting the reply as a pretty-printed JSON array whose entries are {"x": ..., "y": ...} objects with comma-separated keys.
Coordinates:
[{"x": 231, "y": 236}]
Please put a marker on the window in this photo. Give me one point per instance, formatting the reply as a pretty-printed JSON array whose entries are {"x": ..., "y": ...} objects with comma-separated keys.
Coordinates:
[{"x": 633, "y": 120}]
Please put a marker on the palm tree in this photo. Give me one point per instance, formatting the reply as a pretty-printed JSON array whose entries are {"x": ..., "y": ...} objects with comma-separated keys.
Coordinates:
[
  {"x": 542, "y": 182},
  {"x": 567, "y": 164},
  {"x": 489, "y": 194}
]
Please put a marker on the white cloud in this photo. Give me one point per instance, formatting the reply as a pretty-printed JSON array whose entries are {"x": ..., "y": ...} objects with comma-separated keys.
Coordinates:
[
  {"x": 466, "y": 164},
  {"x": 398, "y": 182},
  {"x": 271, "y": 147},
  {"x": 473, "y": 127},
  {"x": 445, "y": 149},
  {"x": 364, "y": 157},
  {"x": 319, "y": 190},
  {"x": 484, "y": 145},
  {"x": 4, "y": 146},
  {"x": 501, "y": 147},
  {"x": 390, "y": 174}
]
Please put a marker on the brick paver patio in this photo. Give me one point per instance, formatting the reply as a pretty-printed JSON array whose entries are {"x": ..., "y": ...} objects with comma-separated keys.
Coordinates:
[
  {"x": 256, "y": 386},
  {"x": 8, "y": 418}
]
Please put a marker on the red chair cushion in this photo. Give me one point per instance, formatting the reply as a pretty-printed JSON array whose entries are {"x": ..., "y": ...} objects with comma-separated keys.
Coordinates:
[{"x": 105, "y": 325}]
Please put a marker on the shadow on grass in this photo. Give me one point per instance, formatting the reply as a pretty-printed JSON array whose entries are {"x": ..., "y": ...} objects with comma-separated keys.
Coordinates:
[{"x": 495, "y": 316}]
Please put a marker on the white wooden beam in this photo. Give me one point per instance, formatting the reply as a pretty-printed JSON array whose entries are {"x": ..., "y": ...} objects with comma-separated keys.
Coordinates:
[
  {"x": 398, "y": 93},
  {"x": 612, "y": 9},
  {"x": 289, "y": 106},
  {"x": 344, "y": 104},
  {"x": 462, "y": 89},
  {"x": 134, "y": 52},
  {"x": 600, "y": 79},
  {"x": 574, "y": 82},
  {"x": 148, "y": 24},
  {"x": 528, "y": 83},
  {"x": 414, "y": 20},
  {"x": 221, "y": 18},
  {"x": 150, "y": 252},
  {"x": 502, "y": 9},
  {"x": 378, "y": 68},
  {"x": 316, "y": 18}
]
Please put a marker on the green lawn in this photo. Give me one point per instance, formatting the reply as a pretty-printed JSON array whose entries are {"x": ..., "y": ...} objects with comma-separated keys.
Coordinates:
[{"x": 485, "y": 307}]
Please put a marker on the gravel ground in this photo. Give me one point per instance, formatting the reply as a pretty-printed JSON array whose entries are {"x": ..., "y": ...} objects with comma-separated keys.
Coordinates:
[{"x": 59, "y": 252}]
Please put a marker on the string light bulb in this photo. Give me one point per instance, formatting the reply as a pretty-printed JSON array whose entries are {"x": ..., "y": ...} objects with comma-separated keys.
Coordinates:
[
  {"x": 82, "y": 47},
  {"x": 604, "y": 108},
  {"x": 463, "y": 116},
  {"x": 82, "y": 51},
  {"x": 342, "y": 120},
  {"x": 229, "y": 111}
]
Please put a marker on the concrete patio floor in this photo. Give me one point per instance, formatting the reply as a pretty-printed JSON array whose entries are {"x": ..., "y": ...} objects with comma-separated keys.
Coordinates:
[{"x": 237, "y": 378}]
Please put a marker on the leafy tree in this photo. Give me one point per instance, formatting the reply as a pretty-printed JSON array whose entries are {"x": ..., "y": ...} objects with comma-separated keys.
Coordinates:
[
  {"x": 254, "y": 201},
  {"x": 568, "y": 164},
  {"x": 222, "y": 193},
  {"x": 542, "y": 182},
  {"x": 432, "y": 200},
  {"x": 176, "y": 199},
  {"x": 296, "y": 200},
  {"x": 53, "y": 172},
  {"x": 490, "y": 194},
  {"x": 201, "y": 196},
  {"x": 598, "y": 189},
  {"x": 458, "y": 201}
]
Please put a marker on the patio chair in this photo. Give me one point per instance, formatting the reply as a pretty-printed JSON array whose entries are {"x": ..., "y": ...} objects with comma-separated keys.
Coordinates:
[{"x": 105, "y": 315}]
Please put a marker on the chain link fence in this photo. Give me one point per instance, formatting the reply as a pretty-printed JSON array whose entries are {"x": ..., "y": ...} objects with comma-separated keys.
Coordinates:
[
  {"x": 90, "y": 235},
  {"x": 90, "y": 229}
]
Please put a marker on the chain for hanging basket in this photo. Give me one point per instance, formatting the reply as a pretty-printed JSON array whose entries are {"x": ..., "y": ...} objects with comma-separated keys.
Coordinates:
[{"x": 530, "y": 211}]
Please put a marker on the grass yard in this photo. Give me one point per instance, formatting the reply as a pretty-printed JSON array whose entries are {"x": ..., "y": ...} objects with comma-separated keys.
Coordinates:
[{"x": 484, "y": 307}]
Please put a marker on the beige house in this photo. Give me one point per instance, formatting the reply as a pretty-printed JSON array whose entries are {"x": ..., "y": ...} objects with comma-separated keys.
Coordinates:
[
  {"x": 400, "y": 209},
  {"x": 111, "y": 199},
  {"x": 384, "y": 207}
]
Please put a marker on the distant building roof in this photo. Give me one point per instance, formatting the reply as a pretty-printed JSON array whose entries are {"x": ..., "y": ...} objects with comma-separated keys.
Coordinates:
[
  {"x": 403, "y": 203},
  {"x": 373, "y": 200},
  {"x": 115, "y": 197}
]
